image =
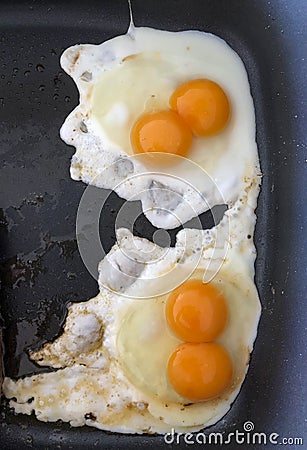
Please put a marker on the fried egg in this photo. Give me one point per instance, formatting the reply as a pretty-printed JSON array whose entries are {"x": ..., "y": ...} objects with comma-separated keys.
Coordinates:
[
  {"x": 121, "y": 361},
  {"x": 164, "y": 117}
]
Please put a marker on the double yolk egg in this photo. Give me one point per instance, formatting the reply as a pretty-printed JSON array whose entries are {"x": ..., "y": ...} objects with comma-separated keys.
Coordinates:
[
  {"x": 199, "y": 369},
  {"x": 197, "y": 107}
]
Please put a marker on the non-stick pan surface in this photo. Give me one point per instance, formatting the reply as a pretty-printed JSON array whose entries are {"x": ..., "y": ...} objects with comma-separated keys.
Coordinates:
[{"x": 41, "y": 269}]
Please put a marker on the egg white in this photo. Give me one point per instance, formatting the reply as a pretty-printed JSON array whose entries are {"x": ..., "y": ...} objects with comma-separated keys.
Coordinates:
[
  {"x": 91, "y": 385},
  {"x": 120, "y": 79}
]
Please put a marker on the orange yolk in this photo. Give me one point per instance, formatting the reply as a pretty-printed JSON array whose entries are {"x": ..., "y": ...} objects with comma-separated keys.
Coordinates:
[
  {"x": 163, "y": 132},
  {"x": 196, "y": 312},
  {"x": 200, "y": 371},
  {"x": 203, "y": 105}
]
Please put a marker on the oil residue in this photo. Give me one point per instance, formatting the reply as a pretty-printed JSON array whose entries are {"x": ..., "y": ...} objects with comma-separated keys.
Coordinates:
[
  {"x": 29, "y": 323},
  {"x": 40, "y": 68}
]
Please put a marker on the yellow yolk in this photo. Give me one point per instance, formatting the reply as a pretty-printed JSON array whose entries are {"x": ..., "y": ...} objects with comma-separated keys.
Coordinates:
[
  {"x": 161, "y": 132},
  {"x": 196, "y": 312},
  {"x": 200, "y": 371},
  {"x": 203, "y": 105}
]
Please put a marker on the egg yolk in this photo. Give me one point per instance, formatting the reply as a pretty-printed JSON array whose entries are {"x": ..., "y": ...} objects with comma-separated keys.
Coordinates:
[
  {"x": 163, "y": 132},
  {"x": 203, "y": 105},
  {"x": 200, "y": 371},
  {"x": 196, "y": 312}
]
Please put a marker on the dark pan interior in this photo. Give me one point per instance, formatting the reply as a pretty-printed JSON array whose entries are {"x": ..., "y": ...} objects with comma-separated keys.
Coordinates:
[{"x": 41, "y": 269}]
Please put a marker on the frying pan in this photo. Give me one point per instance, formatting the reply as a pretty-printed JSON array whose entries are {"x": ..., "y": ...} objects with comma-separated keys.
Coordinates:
[{"x": 41, "y": 269}]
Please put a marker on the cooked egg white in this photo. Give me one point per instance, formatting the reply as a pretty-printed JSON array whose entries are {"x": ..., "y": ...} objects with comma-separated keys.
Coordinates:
[
  {"x": 110, "y": 373},
  {"x": 136, "y": 73}
]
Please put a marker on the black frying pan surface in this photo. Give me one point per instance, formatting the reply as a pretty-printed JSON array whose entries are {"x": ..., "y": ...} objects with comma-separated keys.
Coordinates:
[{"x": 41, "y": 269}]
